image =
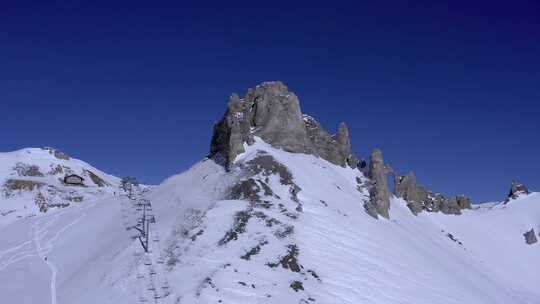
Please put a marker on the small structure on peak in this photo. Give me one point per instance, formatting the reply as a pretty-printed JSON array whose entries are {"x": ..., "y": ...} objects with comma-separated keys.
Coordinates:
[
  {"x": 73, "y": 179},
  {"x": 516, "y": 190}
]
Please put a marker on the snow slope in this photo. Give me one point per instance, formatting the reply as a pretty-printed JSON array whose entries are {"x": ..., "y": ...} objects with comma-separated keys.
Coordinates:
[
  {"x": 344, "y": 255},
  {"x": 279, "y": 228},
  {"x": 31, "y": 183}
]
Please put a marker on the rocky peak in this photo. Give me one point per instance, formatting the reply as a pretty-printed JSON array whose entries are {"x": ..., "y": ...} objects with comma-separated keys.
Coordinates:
[
  {"x": 516, "y": 190},
  {"x": 420, "y": 199},
  {"x": 271, "y": 112}
]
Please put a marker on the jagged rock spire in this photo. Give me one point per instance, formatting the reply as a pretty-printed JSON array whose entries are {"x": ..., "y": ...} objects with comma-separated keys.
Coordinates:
[
  {"x": 271, "y": 112},
  {"x": 378, "y": 192},
  {"x": 406, "y": 188},
  {"x": 418, "y": 198}
]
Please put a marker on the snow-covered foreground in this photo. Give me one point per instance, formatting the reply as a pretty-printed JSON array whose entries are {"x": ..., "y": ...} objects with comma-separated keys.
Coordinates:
[
  {"x": 477, "y": 257},
  {"x": 64, "y": 257},
  {"x": 279, "y": 245}
]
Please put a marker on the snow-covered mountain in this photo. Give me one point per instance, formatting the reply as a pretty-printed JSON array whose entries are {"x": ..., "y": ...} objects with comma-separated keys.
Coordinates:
[
  {"x": 280, "y": 212},
  {"x": 32, "y": 181}
]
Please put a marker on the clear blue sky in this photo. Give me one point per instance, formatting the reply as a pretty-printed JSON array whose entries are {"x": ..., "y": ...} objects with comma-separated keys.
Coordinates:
[{"x": 450, "y": 90}]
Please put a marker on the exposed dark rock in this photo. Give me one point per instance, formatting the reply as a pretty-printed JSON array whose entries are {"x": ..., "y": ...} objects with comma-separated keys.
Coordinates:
[
  {"x": 267, "y": 165},
  {"x": 245, "y": 190},
  {"x": 76, "y": 199},
  {"x": 284, "y": 231},
  {"x": 314, "y": 274},
  {"x": 530, "y": 237},
  {"x": 41, "y": 202},
  {"x": 27, "y": 170},
  {"x": 297, "y": 285},
  {"x": 516, "y": 190},
  {"x": 254, "y": 251},
  {"x": 294, "y": 190},
  {"x": 450, "y": 206},
  {"x": 196, "y": 235},
  {"x": 231, "y": 132},
  {"x": 240, "y": 222},
  {"x": 463, "y": 202},
  {"x": 272, "y": 113},
  {"x": 96, "y": 179},
  {"x": 20, "y": 185},
  {"x": 371, "y": 209},
  {"x": 453, "y": 238},
  {"x": 363, "y": 167},
  {"x": 290, "y": 260},
  {"x": 418, "y": 198},
  {"x": 378, "y": 192},
  {"x": 57, "y": 153},
  {"x": 336, "y": 149},
  {"x": 434, "y": 202},
  {"x": 56, "y": 169},
  {"x": 267, "y": 190},
  {"x": 277, "y": 116},
  {"x": 406, "y": 188}
]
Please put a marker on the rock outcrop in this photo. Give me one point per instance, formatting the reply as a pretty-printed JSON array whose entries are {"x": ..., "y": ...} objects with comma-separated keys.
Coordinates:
[
  {"x": 530, "y": 237},
  {"x": 418, "y": 198},
  {"x": 378, "y": 190},
  {"x": 272, "y": 113},
  {"x": 516, "y": 190},
  {"x": 57, "y": 153},
  {"x": 405, "y": 187}
]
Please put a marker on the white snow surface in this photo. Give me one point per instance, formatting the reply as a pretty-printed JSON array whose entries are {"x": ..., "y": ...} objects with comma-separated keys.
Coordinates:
[
  {"x": 48, "y": 175},
  {"x": 209, "y": 245}
]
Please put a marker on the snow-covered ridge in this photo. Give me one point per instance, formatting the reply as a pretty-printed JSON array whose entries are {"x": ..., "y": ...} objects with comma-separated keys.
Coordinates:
[
  {"x": 278, "y": 227},
  {"x": 32, "y": 182},
  {"x": 263, "y": 241}
]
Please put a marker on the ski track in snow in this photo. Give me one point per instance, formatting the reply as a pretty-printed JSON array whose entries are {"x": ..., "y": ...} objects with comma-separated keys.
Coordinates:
[{"x": 40, "y": 228}]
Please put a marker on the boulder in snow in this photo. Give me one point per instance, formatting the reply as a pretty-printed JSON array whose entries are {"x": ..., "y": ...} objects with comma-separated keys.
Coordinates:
[{"x": 530, "y": 237}]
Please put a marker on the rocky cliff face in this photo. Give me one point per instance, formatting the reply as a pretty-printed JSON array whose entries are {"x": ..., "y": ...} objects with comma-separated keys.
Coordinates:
[
  {"x": 271, "y": 112},
  {"x": 420, "y": 199},
  {"x": 378, "y": 190}
]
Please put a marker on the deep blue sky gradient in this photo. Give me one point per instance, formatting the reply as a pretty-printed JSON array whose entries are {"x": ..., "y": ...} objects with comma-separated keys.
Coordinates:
[{"x": 450, "y": 90}]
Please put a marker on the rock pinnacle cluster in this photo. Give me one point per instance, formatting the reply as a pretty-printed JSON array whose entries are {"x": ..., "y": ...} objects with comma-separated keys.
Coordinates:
[{"x": 270, "y": 111}]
